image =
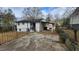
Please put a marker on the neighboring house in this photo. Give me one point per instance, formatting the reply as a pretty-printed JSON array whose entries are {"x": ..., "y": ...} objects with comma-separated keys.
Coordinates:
[
  {"x": 34, "y": 25},
  {"x": 74, "y": 19}
]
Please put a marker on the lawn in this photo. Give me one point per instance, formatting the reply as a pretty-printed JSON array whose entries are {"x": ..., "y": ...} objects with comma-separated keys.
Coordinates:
[
  {"x": 71, "y": 34},
  {"x": 8, "y": 36}
]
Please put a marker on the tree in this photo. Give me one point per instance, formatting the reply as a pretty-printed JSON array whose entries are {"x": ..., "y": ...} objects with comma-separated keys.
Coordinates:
[
  {"x": 49, "y": 16},
  {"x": 8, "y": 20},
  {"x": 66, "y": 16},
  {"x": 68, "y": 12},
  {"x": 32, "y": 13},
  {"x": 66, "y": 21},
  {"x": 9, "y": 17}
]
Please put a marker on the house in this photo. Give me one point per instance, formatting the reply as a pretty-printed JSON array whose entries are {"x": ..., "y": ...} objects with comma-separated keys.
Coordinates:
[
  {"x": 29, "y": 25},
  {"x": 74, "y": 23},
  {"x": 33, "y": 25},
  {"x": 74, "y": 19}
]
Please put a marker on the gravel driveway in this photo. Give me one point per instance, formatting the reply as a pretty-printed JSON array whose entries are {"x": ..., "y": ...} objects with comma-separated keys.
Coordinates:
[{"x": 35, "y": 42}]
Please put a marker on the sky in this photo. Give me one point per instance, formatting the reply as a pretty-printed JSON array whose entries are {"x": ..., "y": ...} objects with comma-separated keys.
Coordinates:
[{"x": 18, "y": 11}]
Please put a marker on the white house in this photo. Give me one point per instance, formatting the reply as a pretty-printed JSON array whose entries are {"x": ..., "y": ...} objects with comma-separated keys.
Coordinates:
[
  {"x": 33, "y": 25},
  {"x": 74, "y": 23},
  {"x": 74, "y": 19},
  {"x": 29, "y": 25}
]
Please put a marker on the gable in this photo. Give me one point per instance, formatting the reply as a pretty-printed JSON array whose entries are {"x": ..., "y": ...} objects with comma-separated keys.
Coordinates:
[{"x": 74, "y": 19}]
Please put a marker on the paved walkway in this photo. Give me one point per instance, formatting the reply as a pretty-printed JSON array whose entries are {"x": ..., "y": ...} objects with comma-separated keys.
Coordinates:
[{"x": 35, "y": 42}]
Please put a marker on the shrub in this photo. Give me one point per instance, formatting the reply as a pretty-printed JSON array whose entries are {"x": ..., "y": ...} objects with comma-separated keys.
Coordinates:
[
  {"x": 64, "y": 38},
  {"x": 62, "y": 35}
]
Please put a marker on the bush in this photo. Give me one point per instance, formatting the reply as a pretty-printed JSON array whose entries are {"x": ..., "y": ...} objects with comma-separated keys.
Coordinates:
[
  {"x": 77, "y": 47},
  {"x": 70, "y": 44},
  {"x": 64, "y": 38},
  {"x": 61, "y": 33}
]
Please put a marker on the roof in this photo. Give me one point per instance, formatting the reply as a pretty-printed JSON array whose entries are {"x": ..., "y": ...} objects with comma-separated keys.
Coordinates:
[
  {"x": 30, "y": 20},
  {"x": 48, "y": 22},
  {"x": 75, "y": 13},
  {"x": 34, "y": 20}
]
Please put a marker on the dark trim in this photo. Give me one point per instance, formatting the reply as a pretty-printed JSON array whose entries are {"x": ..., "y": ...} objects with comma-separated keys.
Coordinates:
[
  {"x": 75, "y": 13},
  {"x": 74, "y": 26},
  {"x": 33, "y": 20}
]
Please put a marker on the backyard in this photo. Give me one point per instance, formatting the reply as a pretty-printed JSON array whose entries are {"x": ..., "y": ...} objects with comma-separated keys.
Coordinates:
[
  {"x": 34, "y": 32},
  {"x": 35, "y": 41},
  {"x": 45, "y": 40},
  {"x": 8, "y": 36}
]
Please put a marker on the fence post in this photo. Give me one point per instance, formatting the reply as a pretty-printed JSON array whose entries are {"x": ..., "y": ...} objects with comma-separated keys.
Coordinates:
[{"x": 75, "y": 35}]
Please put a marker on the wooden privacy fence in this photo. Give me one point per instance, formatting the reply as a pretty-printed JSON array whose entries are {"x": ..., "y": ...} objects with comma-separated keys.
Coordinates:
[{"x": 8, "y": 36}]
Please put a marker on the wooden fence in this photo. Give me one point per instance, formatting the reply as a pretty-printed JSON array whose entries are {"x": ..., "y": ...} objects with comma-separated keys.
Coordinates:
[{"x": 8, "y": 36}]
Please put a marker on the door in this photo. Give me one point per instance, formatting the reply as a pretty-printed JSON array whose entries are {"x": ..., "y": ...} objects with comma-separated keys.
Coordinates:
[{"x": 32, "y": 26}]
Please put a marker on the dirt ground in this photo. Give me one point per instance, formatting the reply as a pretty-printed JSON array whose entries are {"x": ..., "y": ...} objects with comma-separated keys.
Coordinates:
[{"x": 35, "y": 42}]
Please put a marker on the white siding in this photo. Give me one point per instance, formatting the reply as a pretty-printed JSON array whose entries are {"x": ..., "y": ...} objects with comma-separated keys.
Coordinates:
[
  {"x": 74, "y": 20},
  {"x": 38, "y": 27},
  {"x": 28, "y": 26},
  {"x": 23, "y": 27}
]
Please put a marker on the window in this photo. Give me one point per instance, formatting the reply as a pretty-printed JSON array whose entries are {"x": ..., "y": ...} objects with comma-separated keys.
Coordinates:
[
  {"x": 50, "y": 28},
  {"x": 23, "y": 23},
  {"x": 45, "y": 28},
  {"x": 19, "y": 29},
  {"x": 18, "y": 23}
]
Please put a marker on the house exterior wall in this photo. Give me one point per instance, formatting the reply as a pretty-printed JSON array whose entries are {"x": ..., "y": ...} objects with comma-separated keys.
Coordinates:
[
  {"x": 28, "y": 25},
  {"x": 38, "y": 27},
  {"x": 74, "y": 20},
  {"x": 23, "y": 27},
  {"x": 41, "y": 27}
]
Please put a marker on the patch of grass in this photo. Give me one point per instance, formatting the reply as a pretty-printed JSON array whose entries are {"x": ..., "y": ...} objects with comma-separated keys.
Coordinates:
[{"x": 7, "y": 36}]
